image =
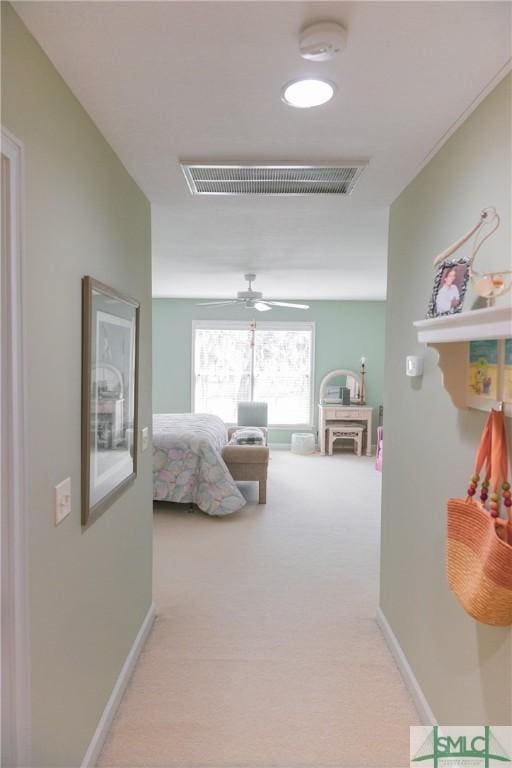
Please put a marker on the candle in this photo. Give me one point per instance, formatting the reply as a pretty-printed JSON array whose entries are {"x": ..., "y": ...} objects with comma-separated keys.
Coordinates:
[{"x": 363, "y": 360}]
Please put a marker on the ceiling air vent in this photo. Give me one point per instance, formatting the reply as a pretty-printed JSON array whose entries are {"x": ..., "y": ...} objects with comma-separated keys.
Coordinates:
[{"x": 216, "y": 179}]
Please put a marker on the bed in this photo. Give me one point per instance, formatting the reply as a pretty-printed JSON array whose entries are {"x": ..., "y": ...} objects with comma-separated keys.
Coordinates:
[{"x": 188, "y": 465}]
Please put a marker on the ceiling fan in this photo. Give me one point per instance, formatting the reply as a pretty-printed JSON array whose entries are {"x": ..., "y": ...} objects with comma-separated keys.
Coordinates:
[{"x": 252, "y": 300}]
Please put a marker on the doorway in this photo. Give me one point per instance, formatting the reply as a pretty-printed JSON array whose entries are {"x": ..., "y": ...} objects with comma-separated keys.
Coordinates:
[{"x": 14, "y": 676}]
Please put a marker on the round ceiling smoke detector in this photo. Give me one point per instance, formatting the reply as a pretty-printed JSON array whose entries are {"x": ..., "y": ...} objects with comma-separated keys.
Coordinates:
[{"x": 322, "y": 41}]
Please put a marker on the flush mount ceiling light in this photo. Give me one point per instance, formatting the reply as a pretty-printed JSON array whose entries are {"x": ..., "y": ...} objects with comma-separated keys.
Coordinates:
[{"x": 307, "y": 93}]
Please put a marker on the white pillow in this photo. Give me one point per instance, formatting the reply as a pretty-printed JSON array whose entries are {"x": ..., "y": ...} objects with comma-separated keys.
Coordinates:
[{"x": 247, "y": 436}]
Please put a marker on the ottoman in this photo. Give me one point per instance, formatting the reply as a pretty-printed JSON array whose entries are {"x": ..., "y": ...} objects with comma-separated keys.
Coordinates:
[{"x": 248, "y": 462}]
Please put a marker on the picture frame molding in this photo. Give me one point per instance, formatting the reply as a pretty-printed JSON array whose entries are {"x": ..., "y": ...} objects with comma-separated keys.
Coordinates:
[{"x": 90, "y": 514}]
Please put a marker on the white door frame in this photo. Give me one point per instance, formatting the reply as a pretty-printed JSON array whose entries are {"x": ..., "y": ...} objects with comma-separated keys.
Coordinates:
[{"x": 15, "y": 648}]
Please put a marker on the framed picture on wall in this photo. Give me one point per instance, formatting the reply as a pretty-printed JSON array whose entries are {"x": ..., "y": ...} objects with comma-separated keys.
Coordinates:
[
  {"x": 507, "y": 373},
  {"x": 489, "y": 375},
  {"x": 110, "y": 341},
  {"x": 450, "y": 283},
  {"x": 483, "y": 369}
]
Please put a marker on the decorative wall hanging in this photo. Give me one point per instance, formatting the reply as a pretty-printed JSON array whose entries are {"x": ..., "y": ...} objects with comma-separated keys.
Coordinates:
[
  {"x": 109, "y": 396},
  {"x": 452, "y": 274},
  {"x": 489, "y": 374},
  {"x": 483, "y": 369},
  {"x": 479, "y": 550},
  {"x": 488, "y": 285}
]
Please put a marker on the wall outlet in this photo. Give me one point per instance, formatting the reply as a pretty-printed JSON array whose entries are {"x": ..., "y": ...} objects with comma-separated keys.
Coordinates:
[
  {"x": 145, "y": 438},
  {"x": 62, "y": 500}
]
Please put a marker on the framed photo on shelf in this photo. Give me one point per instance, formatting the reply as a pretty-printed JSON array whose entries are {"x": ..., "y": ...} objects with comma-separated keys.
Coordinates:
[
  {"x": 450, "y": 283},
  {"x": 110, "y": 341}
]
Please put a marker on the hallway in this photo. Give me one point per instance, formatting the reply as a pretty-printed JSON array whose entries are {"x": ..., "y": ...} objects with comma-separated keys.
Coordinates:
[{"x": 265, "y": 652}]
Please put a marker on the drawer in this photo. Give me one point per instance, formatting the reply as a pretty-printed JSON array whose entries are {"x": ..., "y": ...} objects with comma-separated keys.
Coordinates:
[{"x": 348, "y": 414}]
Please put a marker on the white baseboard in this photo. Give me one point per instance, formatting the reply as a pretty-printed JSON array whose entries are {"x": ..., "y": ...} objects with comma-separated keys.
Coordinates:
[
  {"x": 420, "y": 701},
  {"x": 94, "y": 749}
]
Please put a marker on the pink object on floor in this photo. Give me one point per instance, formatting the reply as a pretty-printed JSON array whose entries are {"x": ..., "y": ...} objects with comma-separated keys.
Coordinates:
[{"x": 380, "y": 449}]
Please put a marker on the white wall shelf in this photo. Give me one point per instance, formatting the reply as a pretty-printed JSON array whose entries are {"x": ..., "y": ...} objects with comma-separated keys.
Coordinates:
[
  {"x": 450, "y": 336},
  {"x": 488, "y": 323}
]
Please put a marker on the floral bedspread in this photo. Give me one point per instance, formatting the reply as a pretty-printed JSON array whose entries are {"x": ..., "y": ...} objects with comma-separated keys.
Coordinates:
[{"x": 187, "y": 462}]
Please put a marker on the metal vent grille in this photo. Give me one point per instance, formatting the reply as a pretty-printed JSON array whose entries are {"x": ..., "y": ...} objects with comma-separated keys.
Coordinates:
[{"x": 272, "y": 179}]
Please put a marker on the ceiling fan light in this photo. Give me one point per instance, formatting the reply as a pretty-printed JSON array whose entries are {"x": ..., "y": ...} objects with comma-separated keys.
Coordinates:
[
  {"x": 252, "y": 300},
  {"x": 294, "y": 305}
]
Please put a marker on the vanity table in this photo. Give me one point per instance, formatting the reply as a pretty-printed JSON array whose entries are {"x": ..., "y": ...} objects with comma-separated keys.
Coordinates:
[
  {"x": 328, "y": 415},
  {"x": 331, "y": 414}
]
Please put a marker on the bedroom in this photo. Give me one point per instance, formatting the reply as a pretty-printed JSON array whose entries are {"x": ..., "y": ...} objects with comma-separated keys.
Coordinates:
[
  {"x": 257, "y": 584},
  {"x": 217, "y": 356}
]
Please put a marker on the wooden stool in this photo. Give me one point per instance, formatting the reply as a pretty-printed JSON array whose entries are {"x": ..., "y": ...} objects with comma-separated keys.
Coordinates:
[{"x": 348, "y": 431}]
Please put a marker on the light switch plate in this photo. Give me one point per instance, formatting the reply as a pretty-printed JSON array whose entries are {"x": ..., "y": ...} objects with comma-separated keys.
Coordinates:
[
  {"x": 414, "y": 365},
  {"x": 145, "y": 438},
  {"x": 62, "y": 500}
]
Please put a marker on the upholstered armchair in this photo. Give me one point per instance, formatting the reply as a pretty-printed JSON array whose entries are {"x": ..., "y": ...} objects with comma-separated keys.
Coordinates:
[{"x": 253, "y": 414}]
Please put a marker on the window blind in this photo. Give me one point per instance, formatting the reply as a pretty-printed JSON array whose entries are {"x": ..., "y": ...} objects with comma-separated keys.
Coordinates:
[
  {"x": 257, "y": 361},
  {"x": 222, "y": 371},
  {"x": 282, "y": 373}
]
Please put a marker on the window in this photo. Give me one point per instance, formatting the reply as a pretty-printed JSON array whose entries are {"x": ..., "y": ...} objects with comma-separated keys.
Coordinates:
[{"x": 254, "y": 361}]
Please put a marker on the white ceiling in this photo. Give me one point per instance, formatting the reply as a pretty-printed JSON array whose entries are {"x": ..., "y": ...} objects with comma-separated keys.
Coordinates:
[{"x": 201, "y": 81}]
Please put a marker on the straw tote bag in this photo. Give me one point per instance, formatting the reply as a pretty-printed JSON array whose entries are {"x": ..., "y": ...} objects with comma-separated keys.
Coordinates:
[{"x": 479, "y": 551}]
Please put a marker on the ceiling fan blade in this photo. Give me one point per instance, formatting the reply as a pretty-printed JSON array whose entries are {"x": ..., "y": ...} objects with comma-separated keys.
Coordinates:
[
  {"x": 261, "y": 306},
  {"x": 217, "y": 303},
  {"x": 287, "y": 304}
]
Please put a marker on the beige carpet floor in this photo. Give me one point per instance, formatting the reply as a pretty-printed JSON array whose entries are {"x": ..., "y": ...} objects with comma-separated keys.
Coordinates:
[{"x": 265, "y": 652}]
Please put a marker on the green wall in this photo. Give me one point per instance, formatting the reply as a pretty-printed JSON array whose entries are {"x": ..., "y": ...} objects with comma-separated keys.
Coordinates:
[
  {"x": 89, "y": 590},
  {"x": 464, "y": 668},
  {"x": 345, "y": 330}
]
